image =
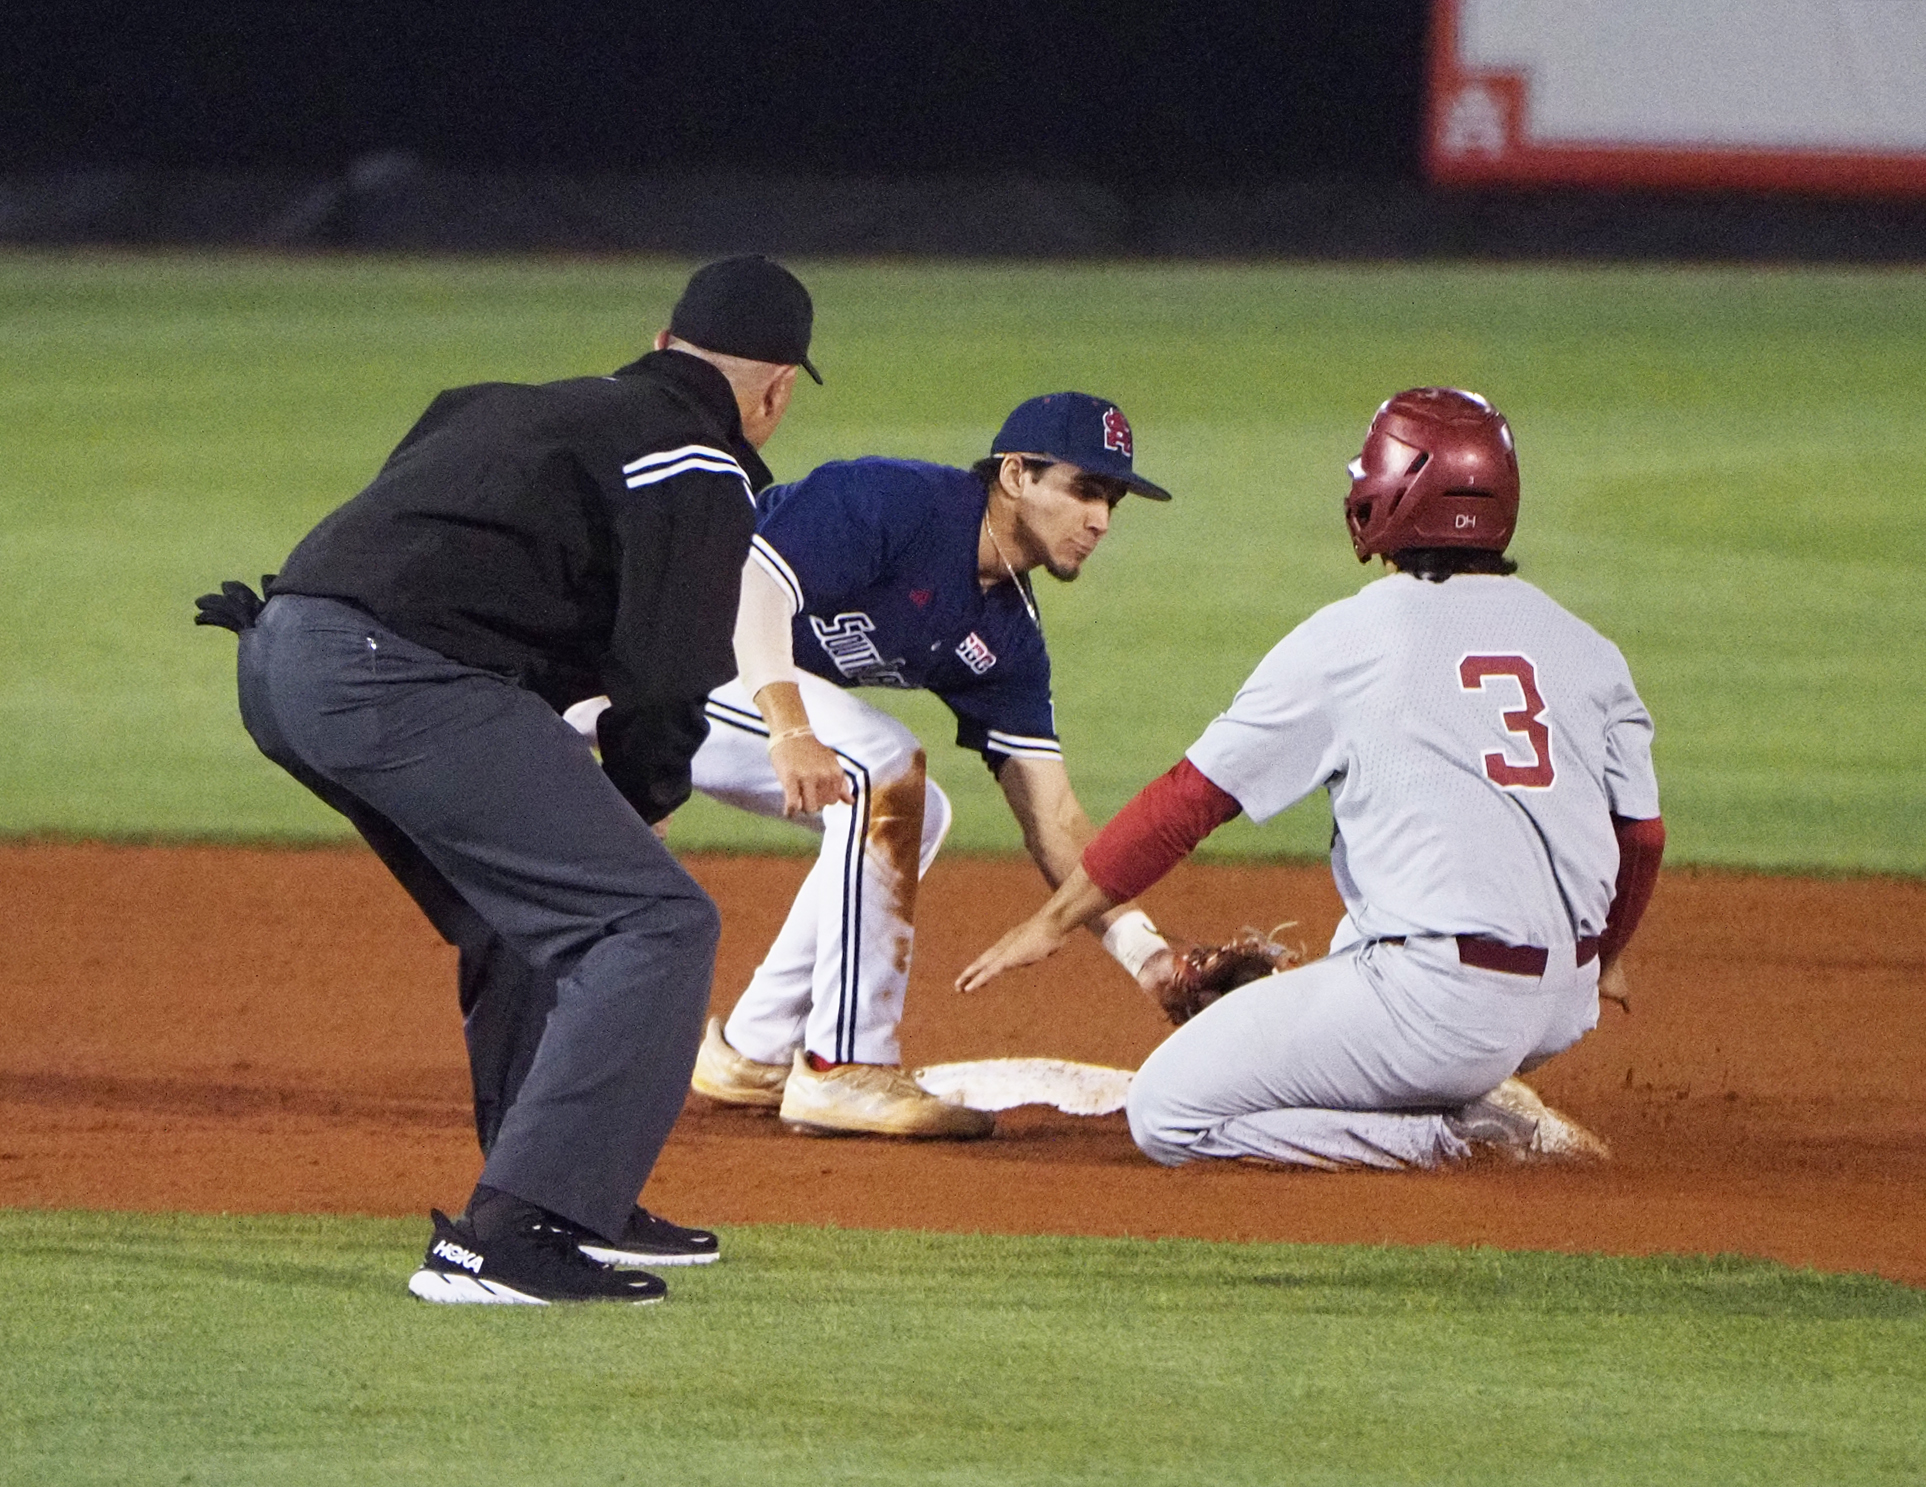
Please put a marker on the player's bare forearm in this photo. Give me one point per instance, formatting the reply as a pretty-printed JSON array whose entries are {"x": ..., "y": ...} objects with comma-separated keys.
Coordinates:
[
  {"x": 810, "y": 773},
  {"x": 1641, "y": 848},
  {"x": 1077, "y": 901},
  {"x": 1055, "y": 827},
  {"x": 1612, "y": 985},
  {"x": 781, "y": 706}
]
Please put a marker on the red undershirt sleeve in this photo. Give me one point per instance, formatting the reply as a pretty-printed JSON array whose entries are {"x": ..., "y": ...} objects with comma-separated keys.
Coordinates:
[
  {"x": 1160, "y": 826},
  {"x": 1640, "y": 846}
]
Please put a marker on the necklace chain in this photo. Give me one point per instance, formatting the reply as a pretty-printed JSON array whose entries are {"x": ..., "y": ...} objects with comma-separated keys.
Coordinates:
[{"x": 1023, "y": 593}]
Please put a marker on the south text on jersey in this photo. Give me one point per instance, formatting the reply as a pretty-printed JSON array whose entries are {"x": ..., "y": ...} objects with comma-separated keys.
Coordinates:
[{"x": 845, "y": 640}]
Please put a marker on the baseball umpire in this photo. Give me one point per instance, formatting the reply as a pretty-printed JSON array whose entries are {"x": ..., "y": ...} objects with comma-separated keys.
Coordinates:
[
  {"x": 1497, "y": 839},
  {"x": 522, "y": 548},
  {"x": 895, "y": 573}
]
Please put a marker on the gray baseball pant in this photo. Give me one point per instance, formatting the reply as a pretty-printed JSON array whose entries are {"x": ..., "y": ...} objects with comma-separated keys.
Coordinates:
[
  {"x": 489, "y": 808},
  {"x": 1354, "y": 1060}
]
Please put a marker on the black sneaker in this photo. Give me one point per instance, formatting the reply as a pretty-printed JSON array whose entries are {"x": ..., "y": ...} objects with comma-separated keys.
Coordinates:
[
  {"x": 534, "y": 1263},
  {"x": 648, "y": 1240}
]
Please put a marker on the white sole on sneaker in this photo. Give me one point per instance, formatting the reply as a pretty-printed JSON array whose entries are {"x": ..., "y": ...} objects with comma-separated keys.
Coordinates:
[
  {"x": 466, "y": 1290},
  {"x": 628, "y": 1259},
  {"x": 472, "y": 1290}
]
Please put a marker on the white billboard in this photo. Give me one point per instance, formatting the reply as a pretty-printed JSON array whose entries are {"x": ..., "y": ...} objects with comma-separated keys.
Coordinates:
[{"x": 1813, "y": 95}]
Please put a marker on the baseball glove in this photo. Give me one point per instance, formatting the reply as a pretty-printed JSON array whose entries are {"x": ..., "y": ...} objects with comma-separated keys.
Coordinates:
[{"x": 1185, "y": 981}]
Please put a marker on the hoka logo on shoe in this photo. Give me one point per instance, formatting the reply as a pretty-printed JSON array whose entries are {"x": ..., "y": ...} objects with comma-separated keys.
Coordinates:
[{"x": 455, "y": 1254}]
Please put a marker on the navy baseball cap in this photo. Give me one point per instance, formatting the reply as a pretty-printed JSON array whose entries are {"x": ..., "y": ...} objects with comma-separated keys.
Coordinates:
[
  {"x": 750, "y": 307},
  {"x": 1090, "y": 433}
]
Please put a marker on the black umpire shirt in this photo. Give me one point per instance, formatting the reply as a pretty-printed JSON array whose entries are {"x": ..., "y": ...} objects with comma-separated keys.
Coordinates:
[{"x": 577, "y": 537}]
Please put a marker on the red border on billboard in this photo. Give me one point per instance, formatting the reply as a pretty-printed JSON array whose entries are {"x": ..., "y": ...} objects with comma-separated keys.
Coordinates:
[{"x": 1474, "y": 137}]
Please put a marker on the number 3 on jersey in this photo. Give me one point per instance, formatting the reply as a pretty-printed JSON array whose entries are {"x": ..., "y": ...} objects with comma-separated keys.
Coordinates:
[{"x": 1527, "y": 721}]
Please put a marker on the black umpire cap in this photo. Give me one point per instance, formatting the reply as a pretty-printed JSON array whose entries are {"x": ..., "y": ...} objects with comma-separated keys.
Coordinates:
[{"x": 750, "y": 307}]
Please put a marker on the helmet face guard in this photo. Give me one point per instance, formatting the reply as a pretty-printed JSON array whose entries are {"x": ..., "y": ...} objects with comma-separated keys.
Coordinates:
[{"x": 1437, "y": 470}]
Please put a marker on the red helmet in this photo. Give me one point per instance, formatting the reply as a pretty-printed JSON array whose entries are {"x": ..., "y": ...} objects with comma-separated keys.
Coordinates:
[{"x": 1437, "y": 470}]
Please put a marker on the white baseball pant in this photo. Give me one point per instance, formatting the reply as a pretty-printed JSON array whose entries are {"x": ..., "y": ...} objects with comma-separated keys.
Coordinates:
[
  {"x": 1354, "y": 1060},
  {"x": 833, "y": 981}
]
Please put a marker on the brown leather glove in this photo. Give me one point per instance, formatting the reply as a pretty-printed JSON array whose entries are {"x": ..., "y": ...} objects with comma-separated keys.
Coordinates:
[{"x": 1184, "y": 981}]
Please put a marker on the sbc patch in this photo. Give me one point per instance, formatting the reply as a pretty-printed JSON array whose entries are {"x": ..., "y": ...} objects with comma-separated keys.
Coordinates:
[{"x": 975, "y": 654}]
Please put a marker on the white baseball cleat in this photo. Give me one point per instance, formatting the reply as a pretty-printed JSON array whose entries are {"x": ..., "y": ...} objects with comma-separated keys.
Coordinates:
[
  {"x": 1515, "y": 1121},
  {"x": 730, "y": 1079},
  {"x": 873, "y": 1100}
]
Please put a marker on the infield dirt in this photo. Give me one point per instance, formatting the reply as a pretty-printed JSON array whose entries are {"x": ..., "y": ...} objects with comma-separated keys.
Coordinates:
[{"x": 259, "y": 1030}]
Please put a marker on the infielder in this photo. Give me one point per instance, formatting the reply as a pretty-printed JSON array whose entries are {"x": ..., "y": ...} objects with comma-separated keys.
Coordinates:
[
  {"x": 894, "y": 573},
  {"x": 1497, "y": 839}
]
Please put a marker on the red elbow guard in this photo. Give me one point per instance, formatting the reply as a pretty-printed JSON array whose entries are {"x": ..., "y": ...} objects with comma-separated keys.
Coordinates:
[{"x": 1160, "y": 826}]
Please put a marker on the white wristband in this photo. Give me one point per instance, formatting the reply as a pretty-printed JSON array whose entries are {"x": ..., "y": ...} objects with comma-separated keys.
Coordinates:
[{"x": 1132, "y": 940}]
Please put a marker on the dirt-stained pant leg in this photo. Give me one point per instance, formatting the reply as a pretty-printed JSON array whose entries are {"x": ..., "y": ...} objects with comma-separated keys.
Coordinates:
[
  {"x": 506, "y": 803},
  {"x": 1349, "y": 1061},
  {"x": 835, "y": 977}
]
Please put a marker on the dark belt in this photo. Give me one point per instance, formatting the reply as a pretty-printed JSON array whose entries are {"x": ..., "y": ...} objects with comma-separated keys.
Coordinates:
[{"x": 1514, "y": 960}]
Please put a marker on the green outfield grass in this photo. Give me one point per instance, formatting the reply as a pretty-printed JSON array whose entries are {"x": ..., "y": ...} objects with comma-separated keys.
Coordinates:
[
  {"x": 1719, "y": 468},
  {"x": 157, "y": 1349}
]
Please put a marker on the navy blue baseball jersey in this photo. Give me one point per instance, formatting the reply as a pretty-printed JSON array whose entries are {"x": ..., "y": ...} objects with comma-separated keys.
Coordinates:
[{"x": 880, "y": 557}]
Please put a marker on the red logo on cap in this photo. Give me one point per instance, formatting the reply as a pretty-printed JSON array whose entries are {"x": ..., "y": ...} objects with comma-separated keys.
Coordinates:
[{"x": 1116, "y": 431}]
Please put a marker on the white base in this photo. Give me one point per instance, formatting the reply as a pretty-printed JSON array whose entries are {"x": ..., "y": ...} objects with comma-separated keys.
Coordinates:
[{"x": 1001, "y": 1083}]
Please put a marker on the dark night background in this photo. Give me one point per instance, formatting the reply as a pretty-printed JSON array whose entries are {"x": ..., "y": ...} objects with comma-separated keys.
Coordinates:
[
  {"x": 1025, "y": 128},
  {"x": 1209, "y": 93}
]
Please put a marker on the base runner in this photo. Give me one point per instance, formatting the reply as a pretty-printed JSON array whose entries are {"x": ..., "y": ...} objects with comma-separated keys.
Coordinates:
[{"x": 1497, "y": 839}]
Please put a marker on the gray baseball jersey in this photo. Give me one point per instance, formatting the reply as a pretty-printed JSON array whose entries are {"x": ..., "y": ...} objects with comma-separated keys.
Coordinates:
[{"x": 1476, "y": 739}]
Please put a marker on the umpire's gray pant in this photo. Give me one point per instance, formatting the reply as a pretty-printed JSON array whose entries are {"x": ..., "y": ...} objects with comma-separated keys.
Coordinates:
[{"x": 485, "y": 803}]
